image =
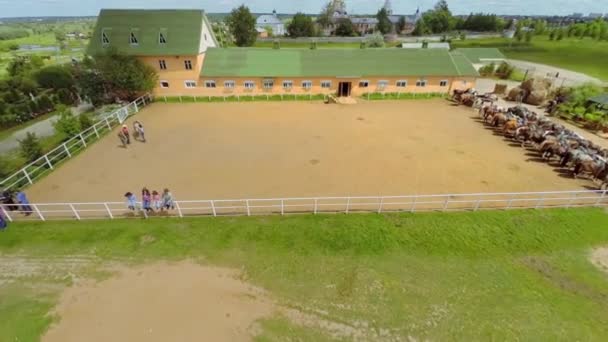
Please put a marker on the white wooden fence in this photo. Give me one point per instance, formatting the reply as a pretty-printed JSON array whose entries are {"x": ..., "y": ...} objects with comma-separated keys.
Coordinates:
[
  {"x": 315, "y": 205},
  {"x": 45, "y": 164}
]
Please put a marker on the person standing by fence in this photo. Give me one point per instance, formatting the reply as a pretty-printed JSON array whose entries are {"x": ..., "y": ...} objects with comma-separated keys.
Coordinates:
[
  {"x": 167, "y": 200},
  {"x": 25, "y": 203},
  {"x": 131, "y": 201},
  {"x": 3, "y": 221},
  {"x": 146, "y": 200}
]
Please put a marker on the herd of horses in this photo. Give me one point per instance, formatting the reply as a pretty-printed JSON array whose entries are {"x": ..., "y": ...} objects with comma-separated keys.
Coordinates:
[{"x": 553, "y": 141}]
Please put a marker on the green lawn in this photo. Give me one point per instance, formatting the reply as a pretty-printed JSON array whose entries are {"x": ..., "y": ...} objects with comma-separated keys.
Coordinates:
[
  {"x": 586, "y": 56},
  {"x": 504, "y": 275}
]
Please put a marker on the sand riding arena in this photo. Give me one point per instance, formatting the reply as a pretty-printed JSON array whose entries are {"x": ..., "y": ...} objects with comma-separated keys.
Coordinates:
[{"x": 297, "y": 149}]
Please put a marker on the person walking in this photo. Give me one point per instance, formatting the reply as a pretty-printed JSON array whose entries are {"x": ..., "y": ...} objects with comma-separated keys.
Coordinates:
[
  {"x": 125, "y": 131},
  {"x": 131, "y": 201},
  {"x": 25, "y": 203},
  {"x": 167, "y": 200},
  {"x": 123, "y": 138},
  {"x": 139, "y": 128}
]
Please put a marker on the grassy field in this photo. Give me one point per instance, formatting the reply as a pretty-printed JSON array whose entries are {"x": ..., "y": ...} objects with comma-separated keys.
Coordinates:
[
  {"x": 516, "y": 275},
  {"x": 583, "y": 55}
]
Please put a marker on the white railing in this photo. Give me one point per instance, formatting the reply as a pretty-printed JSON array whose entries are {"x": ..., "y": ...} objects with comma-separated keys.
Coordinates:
[
  {"x": 315, "y": 205},
  {"x": 41, "y": 166}
]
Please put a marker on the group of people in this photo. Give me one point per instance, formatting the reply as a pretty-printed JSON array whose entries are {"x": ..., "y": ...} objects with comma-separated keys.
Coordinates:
[
  {"x": 12, "y": 201},
  {"x": 138, "y": 134},
  {"x": 151, "y": 201}
]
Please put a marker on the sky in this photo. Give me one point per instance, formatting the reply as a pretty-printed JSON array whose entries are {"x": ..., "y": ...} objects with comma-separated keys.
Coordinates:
[{"x": 32, "y": 8}]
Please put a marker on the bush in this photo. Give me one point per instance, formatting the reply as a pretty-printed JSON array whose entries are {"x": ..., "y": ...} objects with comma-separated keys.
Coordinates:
[
  {"x": 85, "y": 121},
  {"x": 505, "y": 70},
  {"x": 55, "y": 77},
  {"x": 45, "y": 104},
  {"x": 487, "y": 70},
  {"x": 68, "y": 124},
  {"x": 31, "y": 149},
  {"x": 375, "y": 41},
  {"x": 65, "y": 97}
]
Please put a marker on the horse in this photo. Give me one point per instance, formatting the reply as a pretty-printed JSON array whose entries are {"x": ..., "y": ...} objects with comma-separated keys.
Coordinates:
[
  {"x": 590, "y": 167},
  {"x": 509, "y": 127}
]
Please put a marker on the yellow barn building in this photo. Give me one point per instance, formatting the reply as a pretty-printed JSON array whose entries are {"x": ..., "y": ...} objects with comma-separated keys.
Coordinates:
[{"x": 181, "y": 46}]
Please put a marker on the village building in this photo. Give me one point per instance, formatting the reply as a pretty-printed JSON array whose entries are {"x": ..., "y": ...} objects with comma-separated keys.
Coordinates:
[
  {"x": 181, "y": 47},
  {"x": 271, "y": 21}
]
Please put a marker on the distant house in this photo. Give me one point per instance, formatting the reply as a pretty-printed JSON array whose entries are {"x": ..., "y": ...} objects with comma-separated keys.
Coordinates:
[
  {"x": 595, "y": 15},
  {"x": 262, "y": 33},
  {"x": 364, "y": 25},
  {"x": 272, "y": 21}
]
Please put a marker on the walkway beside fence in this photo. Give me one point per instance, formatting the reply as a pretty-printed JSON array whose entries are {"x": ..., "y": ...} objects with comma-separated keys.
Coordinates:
[
  {"x": 47, "y": 163},
  {"x": 316, "y": 205}
]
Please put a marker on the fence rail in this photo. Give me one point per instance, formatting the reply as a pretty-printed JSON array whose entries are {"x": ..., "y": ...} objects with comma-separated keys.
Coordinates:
[
  {"x": 316, "y": 205},
  {"x": 45, "y": 164}
]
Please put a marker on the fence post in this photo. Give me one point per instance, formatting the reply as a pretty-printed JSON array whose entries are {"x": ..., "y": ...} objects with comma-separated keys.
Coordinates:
[
  {"x": 75, "y": 212},
  {"x": 108, "y": 124},
  {"x": 67, "y": 150},
  {"x": 477, "y": 205},
  {"x": 347, "y": 205},
  {"x": 95, "y": 129},
  {"x": 282, "y": 207},
  {"x": 38, "y": 212},
  {"x": 540, "y": 201},
  {"x": 10, "y": 219},
  {"x": 82, "y": 138},
  {"x": 413, "y": 209},
  {"x": 135, "y": 104},
  {"x": 179, "y": 209},
  {"x": 316, "y": 206},
  {"x": 447, "y": 202},
  {"x": 27, "y": 176},
  {"x": 599, "y": 200},
  {"x": 510, "y": 202},
  {"x": 571, "y": 201},
  {"x": 213, "y": 208},
  {"x": 46, "y": 157},
  {"x": 109, "y": 211},
  {"x": 380, "y": 206},
  {"x": 143, "y": 100},
  {"x": 248, "y": 209}
]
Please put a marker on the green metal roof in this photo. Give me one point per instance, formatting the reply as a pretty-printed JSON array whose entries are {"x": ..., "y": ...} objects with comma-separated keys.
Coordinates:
[
  {"x": 257, "y": 62},
  {"x": 477, "y": 55},
  {"x": 181, "y": 29},
  {"x": 600, "y": 99}
]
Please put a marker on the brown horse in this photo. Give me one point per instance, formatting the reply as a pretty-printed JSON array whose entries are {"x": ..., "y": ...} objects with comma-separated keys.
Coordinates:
[
  {"x": 590, "y": 167},
  {"x": 509, "y": 128},
  {"x": 499, "y": 119}
]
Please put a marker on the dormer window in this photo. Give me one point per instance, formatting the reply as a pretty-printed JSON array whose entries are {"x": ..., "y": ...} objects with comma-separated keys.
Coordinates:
[
  {"x": 161, "y": 38},
  {"x": 105, "y": 40},
  {"x": 133, "y": 38}
]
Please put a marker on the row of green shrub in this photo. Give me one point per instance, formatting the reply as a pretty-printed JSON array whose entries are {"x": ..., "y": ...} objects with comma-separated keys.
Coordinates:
[
  {"x": 241, "y": 98},
  {"x": 402, "y": 96}
]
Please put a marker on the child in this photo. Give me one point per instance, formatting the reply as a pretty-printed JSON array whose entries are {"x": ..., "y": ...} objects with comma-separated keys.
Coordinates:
[
  {"x": 131, "y": 201},
  {"x": 146, "y": 200},
  {"x": 156, "y": 202},
  {"x": 167, "y": 200},
  {"x": 125, "y": 132}
]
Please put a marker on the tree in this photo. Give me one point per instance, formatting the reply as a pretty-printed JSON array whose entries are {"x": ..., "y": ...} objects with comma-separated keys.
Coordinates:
[
  {"x": 65, "y": 97},
  {"x": 345, "y": 28},
  {"x": 13, "y": 46},
  {"x": 529, "y": 35},
  {"x": 505, "y": 70},
  {"x": 68, "y": 124},
  {"x": 401, "y": 24},
  {"x": 55, "y": 77},
  {"x": 30, "y": 147},
  {"x": 519, "y": 35},
  {"x": 324, "y": 18},
  {"x": 59, "y": 36},
  {"x": 45, "y": 104},
  {"x": 242, "y": 26},
  {"x": 552, "y": 35},
  {"x": 384, "y": 23},
  {"x": 439, "y": 20},
  {"x": 487, "y": 70},
  {"x": 23, "y": 66},
  {"x": 125, "y": 76},
  {"x": 301, "y": 25},
  {"x": 560, "y": 35},
  {"x": 421, "y": 28},
  {"x": 91, "y": 86}
]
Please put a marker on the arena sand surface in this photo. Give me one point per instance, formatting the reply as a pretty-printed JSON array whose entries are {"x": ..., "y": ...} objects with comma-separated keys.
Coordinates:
[{"x": 296, "y": 149}]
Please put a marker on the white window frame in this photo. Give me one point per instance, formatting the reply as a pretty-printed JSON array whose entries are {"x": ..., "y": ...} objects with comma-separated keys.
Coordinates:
[
  {"x": 363, "y": 84},
  {"x": 229, "y": 84},
  {"x": 188, "y": 64},
  {"x": 188, "y": 84},
  {"x": 162, "y": 40},
  {"x": 249, "y": 85},
  {"x": 105, "y": 40},
  {"x": 307, "y": 84},
  {"x": 421, "y": 83},
  {"x": 443, "y": 83},
  {"x": 210, "y": 84},
  {"x": 382, "y": 84},
  {"x": 401, "y": 84},
  {"x": 162, "y": 64},
  {"x": 326, "y": 84},
  {"x": 268, "y": 84},
  {"x": 133, "y": 40},
  {"x": 287, "y": 84},
  {"x": 162, "y": 86}
]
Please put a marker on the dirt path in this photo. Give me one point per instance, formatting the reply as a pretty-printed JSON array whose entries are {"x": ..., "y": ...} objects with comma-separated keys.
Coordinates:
[
  {"x": 261, "y": 150},
  {"x": 599, "y": 257},
  {"x": 568, "y": 77}
]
